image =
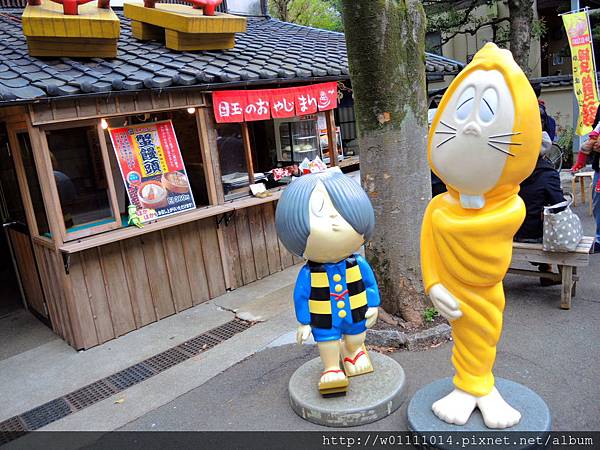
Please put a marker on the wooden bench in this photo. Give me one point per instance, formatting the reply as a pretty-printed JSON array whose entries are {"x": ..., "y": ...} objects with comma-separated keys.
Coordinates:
[{"x": 567, "y": 264}]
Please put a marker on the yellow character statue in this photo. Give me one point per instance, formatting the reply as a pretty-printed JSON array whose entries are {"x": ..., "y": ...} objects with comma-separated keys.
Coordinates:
[{"x": 484, "y": 141}]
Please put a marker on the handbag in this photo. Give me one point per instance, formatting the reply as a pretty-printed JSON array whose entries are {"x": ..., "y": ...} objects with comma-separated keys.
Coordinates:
[{"x": 562, "y": 230}]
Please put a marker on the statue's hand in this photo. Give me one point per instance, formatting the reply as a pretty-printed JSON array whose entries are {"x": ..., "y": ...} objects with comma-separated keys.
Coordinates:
[
  {"x": 302, "y": 333},
  {"x": 371, "y": 316},
  {"x": 445, "y": 302}
]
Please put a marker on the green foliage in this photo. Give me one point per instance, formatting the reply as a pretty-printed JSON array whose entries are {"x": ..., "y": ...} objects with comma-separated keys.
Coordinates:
[
  {"x": 325, "y": 14},
  {"x": 429, "y": 314},
  {"x": 445, "y": 17}
]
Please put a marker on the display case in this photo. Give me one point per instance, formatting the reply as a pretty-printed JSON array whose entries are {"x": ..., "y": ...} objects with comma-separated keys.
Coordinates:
[{"x": 297, "y": 138}]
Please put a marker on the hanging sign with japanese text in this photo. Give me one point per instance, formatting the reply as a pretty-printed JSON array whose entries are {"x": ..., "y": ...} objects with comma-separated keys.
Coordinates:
[
  {"x": 152, "y": 169},
  {"x": 263, "y": 104},
  {"x": 584, "y": 70}
]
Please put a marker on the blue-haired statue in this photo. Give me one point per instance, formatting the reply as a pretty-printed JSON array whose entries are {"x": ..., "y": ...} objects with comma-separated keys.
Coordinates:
[{"x": 325, "y": 218}]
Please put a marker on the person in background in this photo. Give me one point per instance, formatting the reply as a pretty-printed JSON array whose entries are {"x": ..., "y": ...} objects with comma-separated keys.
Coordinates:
[
  {"x": 589, "y": 146},
  {"x": 541, "y": 188},
  {"x": 548, "y": 122},
  {"x": 596, "y": 195}
]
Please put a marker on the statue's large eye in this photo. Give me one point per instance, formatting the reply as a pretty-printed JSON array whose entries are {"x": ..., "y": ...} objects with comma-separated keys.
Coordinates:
[
  {"x": 488, "y": 105},
  {"x": 317, "y": 203},
  {"x": 465, "y": 104}
]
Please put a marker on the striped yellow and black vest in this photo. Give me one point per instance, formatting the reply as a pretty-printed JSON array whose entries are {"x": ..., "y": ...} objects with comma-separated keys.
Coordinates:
[{"x": 322, "y": 295}]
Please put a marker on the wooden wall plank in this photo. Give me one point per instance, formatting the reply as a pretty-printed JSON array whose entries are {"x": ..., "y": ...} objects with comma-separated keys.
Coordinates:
[
  {"x": 84, "y": 315},
  {"x": 117, "y": 289},
  {"x": 178, "y": 99},
  {"x": 176, "y": 268},
  {"x": 158, "y": 275},
  {"x": 106, "y": 106},
  {"x": 87, "y": 107},
  {"x": 50, "y": 301},
  {"x": 272, "y": 242},
  {"x": 28, "y": 272},
  {"x": 233, "y": 254},
  {"x": 244, "y": 241},
  {"x": 63, "y": 109},
  {"x": 41, "y": 112},
  {"x": 212, "y": 257},
  {"x": 137, "y": 281},
  {"x": 160, "y": 100},
  {"x": 287, "y": 259},
  {"x": 257, "y": 236},
  {"x": 143, "y": 102},
  {"x": 192, "y": 251},
  {"x": 98, "y": 297},
  {"x": 55, "y": 266},
  {"x": 126, "y": 104}
]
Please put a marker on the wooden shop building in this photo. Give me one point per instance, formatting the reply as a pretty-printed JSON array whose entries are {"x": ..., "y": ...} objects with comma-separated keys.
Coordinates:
[{"x": 80, "y": 267}]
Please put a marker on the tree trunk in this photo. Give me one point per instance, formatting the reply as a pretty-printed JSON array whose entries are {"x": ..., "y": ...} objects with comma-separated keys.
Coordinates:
[
  {"x": 521, "y": 18},
  {"x": 386, "y": 54},
  {"x": 280, "y": 9}
]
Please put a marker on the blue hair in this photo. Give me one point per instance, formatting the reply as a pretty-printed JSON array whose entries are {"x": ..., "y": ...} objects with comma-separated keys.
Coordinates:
[{"x": 292, "y": 216}]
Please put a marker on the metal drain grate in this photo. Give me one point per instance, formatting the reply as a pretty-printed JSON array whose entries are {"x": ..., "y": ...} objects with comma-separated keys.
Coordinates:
[
  {"x": 90, "y": 394},
  {"x": 199, "y": 344},
  {"x": 58, "y": 408},
  {"x": 45, "y": 414},
  {"x": 166, "y": 360},
  {"x": 130, "y": 376},
  {"x": 230, "y": 329}
]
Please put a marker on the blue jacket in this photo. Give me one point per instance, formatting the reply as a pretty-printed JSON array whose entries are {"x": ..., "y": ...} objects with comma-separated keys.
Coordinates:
[{"x": 340, "y": 292}]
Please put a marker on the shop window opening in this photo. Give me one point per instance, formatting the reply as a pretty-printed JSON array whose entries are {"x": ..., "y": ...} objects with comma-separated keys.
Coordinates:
[
  {"x": 77, "y": 166},
  {"x": 276, "y": 148}
]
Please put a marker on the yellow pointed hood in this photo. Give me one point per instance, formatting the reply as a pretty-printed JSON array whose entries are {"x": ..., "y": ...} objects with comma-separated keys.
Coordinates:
[{"x": 526, "y": 119}]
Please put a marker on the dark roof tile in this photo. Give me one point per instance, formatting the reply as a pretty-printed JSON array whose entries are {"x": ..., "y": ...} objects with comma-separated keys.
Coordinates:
[
  {"x": 183, "y": 79},
  {"x": 132, "y": 85},
  {"x": 8, "y": 75}
]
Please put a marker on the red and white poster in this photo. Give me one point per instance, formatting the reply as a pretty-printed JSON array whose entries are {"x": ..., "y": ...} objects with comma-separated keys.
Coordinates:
[
  {"x": 152, "y": 169},
  {"x": 264, "y": 104}
]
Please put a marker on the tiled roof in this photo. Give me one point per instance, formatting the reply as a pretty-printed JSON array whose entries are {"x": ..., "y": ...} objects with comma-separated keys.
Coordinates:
[
  {"x": 553, "y": 81},
  {"x": 269, "y": 51}
]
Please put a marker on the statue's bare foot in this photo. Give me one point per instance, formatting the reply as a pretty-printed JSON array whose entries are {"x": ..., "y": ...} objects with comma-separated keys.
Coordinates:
[
  {"x": 357, "y": 362},
  {"x": 332, "y": 376},
  {"x": 456, "y": 407},
  {"x": 496, "y": 412}
]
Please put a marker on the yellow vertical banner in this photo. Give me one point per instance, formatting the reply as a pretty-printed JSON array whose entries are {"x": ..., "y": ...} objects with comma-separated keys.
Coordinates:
[{"x": 584, "y": 70}]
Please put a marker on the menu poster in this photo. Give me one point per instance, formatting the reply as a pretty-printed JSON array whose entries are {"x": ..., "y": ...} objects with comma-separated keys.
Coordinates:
[{"x": 152, "y": 169}]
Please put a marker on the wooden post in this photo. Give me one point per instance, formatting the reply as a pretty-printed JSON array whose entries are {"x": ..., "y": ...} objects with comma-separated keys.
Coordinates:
[
  {"x": 210, "y": 159},
  {"x": 331, "y": 138},
  {"x": 248, "y": 151},
  {"x": 567, "y": 286},
  {"x": 22, "y": 180},
  {"x": 43, "y": 164}
]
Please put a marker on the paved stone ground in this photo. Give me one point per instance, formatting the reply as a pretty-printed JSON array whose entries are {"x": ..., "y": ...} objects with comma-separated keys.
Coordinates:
[{"x": 553, "y": 352}]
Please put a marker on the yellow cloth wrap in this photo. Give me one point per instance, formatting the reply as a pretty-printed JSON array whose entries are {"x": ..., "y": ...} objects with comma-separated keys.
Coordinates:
[{"x": 469, "y": 252}]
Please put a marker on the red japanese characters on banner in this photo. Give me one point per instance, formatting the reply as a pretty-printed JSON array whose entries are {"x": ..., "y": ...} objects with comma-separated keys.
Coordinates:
[
  {"x": 262, "y": 104},
  {"x": 257, "y": 106},
  {"x": 283, "y": 103},
  {"x": 326, "y": 95},
  {"x": 229, "y": 106},
  {"x": 306, "y": 101}
]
